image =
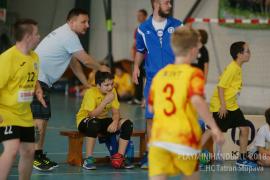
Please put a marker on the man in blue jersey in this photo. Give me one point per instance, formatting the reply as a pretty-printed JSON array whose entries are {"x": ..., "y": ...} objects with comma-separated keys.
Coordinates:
[{"x": 153, "y": 38}]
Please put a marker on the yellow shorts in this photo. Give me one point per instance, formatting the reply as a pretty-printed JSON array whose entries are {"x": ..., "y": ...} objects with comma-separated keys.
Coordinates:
[{"x": 164, "y": 162}]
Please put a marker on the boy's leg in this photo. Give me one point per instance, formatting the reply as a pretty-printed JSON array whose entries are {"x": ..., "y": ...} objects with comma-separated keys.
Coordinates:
[
  {"x": 194, "y": 176},
  {"x": 148, "y": 128},
  {"x": 243, "y": 138},
  {"x": 27, "y": 151},
  {"x": 90, "y": 145},
  {"x": 90, "y": 128},
  {"x": 8, "y": 156},
  {"x": 264, "y": 159},
  {"x": 126, "y": 129}
]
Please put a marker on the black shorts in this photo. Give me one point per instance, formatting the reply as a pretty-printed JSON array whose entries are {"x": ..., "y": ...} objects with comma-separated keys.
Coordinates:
[
  {"x": 25, "y": 134},
  {"x": 233, "y": 119},
  {"x": 101, "y": 123},
  {"x": 38, "y": 111}
]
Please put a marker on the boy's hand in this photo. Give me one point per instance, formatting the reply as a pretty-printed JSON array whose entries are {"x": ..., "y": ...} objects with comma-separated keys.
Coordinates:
[
  {"x": 109, "y": 97},
  {"x": 112, "y": 127},
  {"x": 222, "y": 112},
  {"x": 218, "y": 136}
]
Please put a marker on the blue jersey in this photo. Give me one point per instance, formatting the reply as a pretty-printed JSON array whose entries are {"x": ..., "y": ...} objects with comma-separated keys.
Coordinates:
[{"x": 156, "y": 45}]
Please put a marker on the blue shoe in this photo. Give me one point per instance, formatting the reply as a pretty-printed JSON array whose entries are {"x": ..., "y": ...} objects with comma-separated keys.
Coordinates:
[
  {"x": 144, "y": 165},
  {"x": 144, "y": 161},
  {"x": 89, "y": 163},
  {"x": 128, "y": 164},
  {"x": 246, "y": 163}
]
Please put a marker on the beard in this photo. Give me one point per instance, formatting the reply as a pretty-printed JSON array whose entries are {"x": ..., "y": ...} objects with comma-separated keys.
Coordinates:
[{"x": 163, "y": 14}]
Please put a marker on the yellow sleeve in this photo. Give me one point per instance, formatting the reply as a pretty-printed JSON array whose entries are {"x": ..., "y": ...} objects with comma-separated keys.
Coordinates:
[
  {"x": 115, "y": 103},
  {"x": 89, "y": 102},
  {"x": 129, "y": 84},
  {"x": 226, "y": 78},
  {"x": 5, "y": 70}
]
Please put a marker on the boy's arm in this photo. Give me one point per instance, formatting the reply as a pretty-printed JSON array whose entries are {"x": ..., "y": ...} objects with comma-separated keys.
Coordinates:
[
  {"x": 108, "y": 98},
  {"x": 116, "y": 117},
  {"x": 222, "y": 110},
  {"x": 200, "y": 105}
]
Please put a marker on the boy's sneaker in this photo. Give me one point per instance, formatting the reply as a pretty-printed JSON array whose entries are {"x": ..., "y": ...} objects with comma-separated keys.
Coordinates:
[
  {"x": 47, "y": 161},
  {"x": 128, "y": 164},
  {"x": 246, "y": 163},
  {"x": 89, "y": 163},
  {"x": 136, "y": 101},
  {"x": 39, "y": 165},
  {"x": 144, "y": 161}
]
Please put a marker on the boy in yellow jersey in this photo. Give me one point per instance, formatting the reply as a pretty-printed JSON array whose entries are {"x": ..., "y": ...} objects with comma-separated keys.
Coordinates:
[
  {"x": 93, "y": 119},
  {"x": 223, "y": 103},
  {"x": 19, "y": 71},
  {"x": 123, "y": 83},
  {"x": 176, "y": 93}
]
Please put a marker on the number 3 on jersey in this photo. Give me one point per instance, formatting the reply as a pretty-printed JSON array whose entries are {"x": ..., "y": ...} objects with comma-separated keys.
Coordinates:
[{"x": 169, "y": 89}]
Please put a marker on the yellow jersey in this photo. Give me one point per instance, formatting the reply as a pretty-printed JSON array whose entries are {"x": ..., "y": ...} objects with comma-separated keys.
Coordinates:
[
  {"x": 91, "y": 100},
  {"x": 19, "y": 73},
  {"x": 175, "y": 119},
  {"x": 231, "y": 81},
  {"x": 124, "y": 84}
]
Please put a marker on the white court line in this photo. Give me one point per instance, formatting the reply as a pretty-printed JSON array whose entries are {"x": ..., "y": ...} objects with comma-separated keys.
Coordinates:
[{"x": 83, "y": 173}]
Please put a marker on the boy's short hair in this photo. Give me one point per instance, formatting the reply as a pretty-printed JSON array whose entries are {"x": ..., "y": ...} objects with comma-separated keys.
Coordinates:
[
  {"x": 267, "y": 116},
  {"x": 118, "y": 65},
  {"x": 100, "y": 77},
  {"x": 183, "y": 39},
  {"x": 204, "y": 36},
  {"x": 236, "y": 48},
  {"x": 23, "y": 27},
  {"x": 143, "y": 11},
  {"x": 76, "y": 12}
]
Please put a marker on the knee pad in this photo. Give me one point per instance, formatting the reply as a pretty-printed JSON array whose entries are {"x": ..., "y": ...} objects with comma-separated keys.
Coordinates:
[
  {"x": 126, "y": 130},
  {"x": 92, "y": 128}
]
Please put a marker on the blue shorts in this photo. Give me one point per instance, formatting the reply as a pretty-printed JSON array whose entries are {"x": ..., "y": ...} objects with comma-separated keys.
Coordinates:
[{"x": 147, "y": 115}]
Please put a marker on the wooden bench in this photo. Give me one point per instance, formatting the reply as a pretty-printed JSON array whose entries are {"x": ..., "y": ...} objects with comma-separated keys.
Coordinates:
[{"x": 75, "y": 145}]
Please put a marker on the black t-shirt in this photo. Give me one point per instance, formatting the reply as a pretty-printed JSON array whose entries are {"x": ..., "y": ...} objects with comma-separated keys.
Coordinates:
[{"x": 202, "y": 58}]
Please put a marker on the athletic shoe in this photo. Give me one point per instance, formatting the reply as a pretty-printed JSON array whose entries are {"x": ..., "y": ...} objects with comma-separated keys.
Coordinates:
[
  {"x": 144, "y": 161},
  {"x": 89, "y": 163},
  {"x": 246, "y": 163},
  {"x": 47, "y": 161},
  {"x": 128, "y": 164},
  {"x": 39, "y": 165}
]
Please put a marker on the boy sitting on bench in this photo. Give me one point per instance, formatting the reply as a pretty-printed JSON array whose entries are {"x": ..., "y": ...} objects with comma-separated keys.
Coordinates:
[{"x": 93, "y": 119}]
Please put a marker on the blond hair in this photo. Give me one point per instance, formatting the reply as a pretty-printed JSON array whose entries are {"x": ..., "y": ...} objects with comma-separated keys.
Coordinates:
[{"x": 184, "y": 39}]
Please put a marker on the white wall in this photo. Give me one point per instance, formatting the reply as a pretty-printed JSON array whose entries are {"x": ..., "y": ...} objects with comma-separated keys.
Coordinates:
[
  {"x": 48, "y": 13},
  {"x": 124, "y": 20}
]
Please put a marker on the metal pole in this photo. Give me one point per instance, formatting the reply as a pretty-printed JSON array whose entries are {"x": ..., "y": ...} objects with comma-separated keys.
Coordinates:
[{"x": 108, "y": 14}]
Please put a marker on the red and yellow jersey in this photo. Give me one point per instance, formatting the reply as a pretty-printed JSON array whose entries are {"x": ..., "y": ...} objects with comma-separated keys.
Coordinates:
[
  {"x": 91, "y": 100},
  {"x": 175, "y": 119},
  {"x": 19, "y": 73}
]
